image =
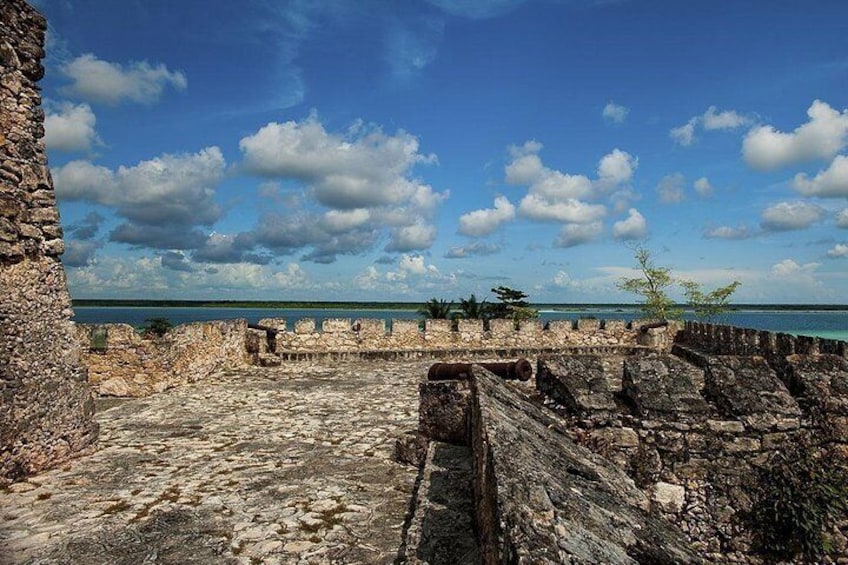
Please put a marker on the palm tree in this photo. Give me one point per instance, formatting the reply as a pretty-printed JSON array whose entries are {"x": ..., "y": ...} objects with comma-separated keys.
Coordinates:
[
  {"x": 435, "y": 309},
  {"x": 470, "y": 309}
]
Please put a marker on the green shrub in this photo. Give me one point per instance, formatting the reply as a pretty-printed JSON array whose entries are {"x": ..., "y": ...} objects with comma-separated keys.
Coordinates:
[
  {"x": 157, "y": 326},
  {"x": 800, "y": 494}
]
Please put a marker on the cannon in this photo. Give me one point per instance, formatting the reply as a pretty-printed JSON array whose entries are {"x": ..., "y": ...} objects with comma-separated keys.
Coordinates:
[{"x": 520, "y": 370}]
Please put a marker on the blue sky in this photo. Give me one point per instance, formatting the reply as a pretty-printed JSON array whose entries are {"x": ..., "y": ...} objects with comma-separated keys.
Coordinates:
[{"x": 380, "y": 150}]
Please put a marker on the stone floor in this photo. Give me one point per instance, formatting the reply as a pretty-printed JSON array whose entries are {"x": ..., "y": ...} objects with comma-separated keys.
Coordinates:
[{"x": 262, "y": 465}]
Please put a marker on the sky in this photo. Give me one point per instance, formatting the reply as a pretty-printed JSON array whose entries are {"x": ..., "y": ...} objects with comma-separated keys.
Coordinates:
[{"x": 385, "y": 150}]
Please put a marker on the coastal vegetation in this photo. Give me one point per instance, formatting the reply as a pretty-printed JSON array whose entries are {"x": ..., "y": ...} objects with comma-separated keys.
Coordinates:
[
  {"x": 511, "y": 305},
  {"x": 655, "y": 281}
]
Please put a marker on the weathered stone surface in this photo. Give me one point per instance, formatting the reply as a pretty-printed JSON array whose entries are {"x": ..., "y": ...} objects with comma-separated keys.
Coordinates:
[
  {"x": 581, "y": 383},
  {"x": 45, "y": 405},
  {"x": 132, "y": 365},
  {"x": 747, "y": 386},
  {"x": 443, "y": 411},
  {"x": 664, "y": 385},
  {"x": 543, "y": 499},
  {"x": 284, "y": 465}
]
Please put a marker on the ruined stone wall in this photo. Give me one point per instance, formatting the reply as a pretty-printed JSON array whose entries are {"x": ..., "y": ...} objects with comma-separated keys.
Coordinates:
[
  {"x": 45, "y": 408},
  {"x": 695, "y": 430},
  {"x": 123, "y": 363}
]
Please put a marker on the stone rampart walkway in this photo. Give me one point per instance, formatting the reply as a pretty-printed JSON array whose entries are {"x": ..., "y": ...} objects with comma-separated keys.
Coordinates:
[{"x": 284, "y": 465}]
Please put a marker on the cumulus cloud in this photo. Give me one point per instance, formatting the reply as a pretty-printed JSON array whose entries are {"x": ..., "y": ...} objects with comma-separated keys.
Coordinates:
[
  {"x": 554, "y": 196},
  {"x": 571, "y": 235},
  {"x": 616, "y": 168},
  {"x": 162, "y": 199},
  {"x": 166, "y": 189},
  {"x": 96, "y": 80},
  {"x": 830, "y": 183},
  {"x": 785, "y": 216},
  {"x": 615, "y": 113},
  {"x": 670, "y": 188},
  {"x": 87, "y": 228},
  {"x": 712, "y": 119},
  {"x": 79, "y": 253},
  {"x": 799, "y": 275},
  {"x": 703, "y": 187},
  {"x": 842, "y": 219},
  {"x": 631, "y": 228},
  {"x": 70, "y": 127},
  {"x": 537, "y": 207},
  {"x": 478, "y": 248},
  {"x": 483, "y": 222},
  {"x": 412, "y": 238},
  {"x": 822, "y": 137},
  {"x": 685, "y": 134},
  {"x": 838, "y": 251},
  {"x": 176, "y": 261},
  {"x": 727, "y": 232}
]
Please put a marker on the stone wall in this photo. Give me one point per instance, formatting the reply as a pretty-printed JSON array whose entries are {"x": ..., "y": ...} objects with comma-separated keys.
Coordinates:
[
  {"x": 695, "y": 430},
  {"x": 369, "y": 335},
  {"x": 123, "y": 363},
  {"x": 45, "y": 408}
]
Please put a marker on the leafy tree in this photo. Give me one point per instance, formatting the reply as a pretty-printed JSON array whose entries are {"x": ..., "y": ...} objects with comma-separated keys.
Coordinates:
[
  {"x": 512, "y": 305},
  {"x": 435, "y": 309},
  {"x": 708, "y": 305},
  {"x": 651, "y": 286},
  {"x": 157, "y": 326}
]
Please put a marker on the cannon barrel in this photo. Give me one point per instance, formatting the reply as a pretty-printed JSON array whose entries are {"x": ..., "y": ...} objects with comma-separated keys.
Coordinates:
[{"x": 520, "y": 370}]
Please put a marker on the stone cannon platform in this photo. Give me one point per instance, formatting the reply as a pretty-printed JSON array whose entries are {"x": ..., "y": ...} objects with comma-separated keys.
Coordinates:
[{"x": 258, "y": 465}]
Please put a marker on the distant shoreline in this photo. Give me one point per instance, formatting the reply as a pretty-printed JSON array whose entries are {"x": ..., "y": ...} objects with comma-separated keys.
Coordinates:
[{"x": 352, "y": 305}]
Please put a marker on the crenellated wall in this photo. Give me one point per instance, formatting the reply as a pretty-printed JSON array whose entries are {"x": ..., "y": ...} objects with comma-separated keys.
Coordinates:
[
  {"x": 345, "y": 335},
  {"x": 45, "y": 406}
]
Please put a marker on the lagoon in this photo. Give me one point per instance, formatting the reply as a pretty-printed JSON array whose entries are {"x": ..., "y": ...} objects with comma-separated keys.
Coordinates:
[{"x": 831, "y": 324}]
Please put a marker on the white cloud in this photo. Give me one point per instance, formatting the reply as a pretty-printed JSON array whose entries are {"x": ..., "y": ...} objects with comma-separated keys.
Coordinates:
[
  {"x": 728, "y": 119},
  {"x": 345, "y": 220},
  {"x": 163, "y": 198},
  {"x": 671, "y": 187},
  {"x": 839, "y": 250},
  {"x": 842, "y": 219},
  {"x": 412, "y": 238},
  {"x": 70, "y": 127},
  {"x": 293, "y": 277},
  {"x": 412, "y": 45},
  {"x": 537, "y": 207},
  {"x": 475, "y": 248},
  {"x": 822, "y": 137},
  {"x": 615, "y": 112},
  {"x": 703, "y": 187},
  {"x": 727, "y": 232},
  {"x": 786, "y": 216},
  {"x": 712, "y": 119},
  {"x": 832, "y": 182},
  {"x": 685, "y": 134},
  {"x": 96, "y": 80},
  {"x": 563, "y": 280},
  {"x": 617, "y": 167},
  {"x": 361, "y": 168},
  {"x": 791, "y": 273},
  {"x": 632, "y": 228},
  {"x": 571, "y": 235},
  {"x": 483, "y": 222},
  {"x": 524, "y": 170}
]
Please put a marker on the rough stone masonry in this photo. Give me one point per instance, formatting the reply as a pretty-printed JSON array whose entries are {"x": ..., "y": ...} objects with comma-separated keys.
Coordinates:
[{"x": 46, "y": 406}]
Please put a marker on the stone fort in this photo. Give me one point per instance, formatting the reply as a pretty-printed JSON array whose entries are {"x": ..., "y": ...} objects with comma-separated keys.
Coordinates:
[{"x": 632, "y": 444}]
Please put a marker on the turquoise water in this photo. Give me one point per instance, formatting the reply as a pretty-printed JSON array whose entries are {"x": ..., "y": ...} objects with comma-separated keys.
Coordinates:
[{"x": 829, "y": 324}]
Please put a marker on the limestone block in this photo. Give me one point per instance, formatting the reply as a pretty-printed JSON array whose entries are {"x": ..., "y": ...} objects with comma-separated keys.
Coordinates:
[
  {"x": 371, "y": 327},
  {"x": 405, "y": 328},
  {"x": 530, "y": 328},
  {"x": 304, "y": 326},
  {"x": 501, "y": 328},
  {"x": 743, "y": 386},
  {"x": 444, "y": 410},
  {"x": 615, "y": 326},
  {"x": 560, "y": 327},
  {"x": 336, "y": 325},
  {"x": 278, "y": 324},
  {"x": 435, "y": 329},
  {"x": 670, "y": 497},
  {"x": 470, "y": 330},
  {"x": 664, "y": 385}
]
